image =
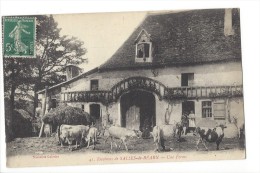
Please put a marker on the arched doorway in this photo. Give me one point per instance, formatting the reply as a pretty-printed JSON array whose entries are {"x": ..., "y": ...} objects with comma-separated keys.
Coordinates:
[{"x": 138, "y": 110}]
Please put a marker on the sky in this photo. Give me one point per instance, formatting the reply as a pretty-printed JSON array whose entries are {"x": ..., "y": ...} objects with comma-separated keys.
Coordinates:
[{"x": 102, "y": 33}]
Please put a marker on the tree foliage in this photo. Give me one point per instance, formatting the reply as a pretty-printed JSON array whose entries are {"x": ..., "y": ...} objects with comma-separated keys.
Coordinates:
[
  {"x": 24, "y": 77},
  {"x": 54, "y": 51}
]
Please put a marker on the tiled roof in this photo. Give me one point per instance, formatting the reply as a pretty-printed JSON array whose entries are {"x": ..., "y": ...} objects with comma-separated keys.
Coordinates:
[{"x": 187, "y": 37}]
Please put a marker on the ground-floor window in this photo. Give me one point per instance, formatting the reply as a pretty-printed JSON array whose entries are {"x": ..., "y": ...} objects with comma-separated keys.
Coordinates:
[
  {"x": 206, "y": 109},
  {"x": 219, "y": 111},
  {"x": 83, "y": 107}
]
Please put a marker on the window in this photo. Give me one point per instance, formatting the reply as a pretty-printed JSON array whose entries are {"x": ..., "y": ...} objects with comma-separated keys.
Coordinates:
[
  {"x": 206, "y": 109},
  {"x": 82, "y": 107},
  {"x": 53, "y": 103},
  {"x": 94, "y": 85},
  {"x": 143, "y": 47},
  {"x": 187, "y": 79},
  {"x": 143, "y": 50},
  {"x": 219, "y": 111}
]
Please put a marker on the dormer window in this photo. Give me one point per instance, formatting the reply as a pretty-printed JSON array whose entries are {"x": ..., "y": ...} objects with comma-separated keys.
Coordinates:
[
  {"x": 143, "y": 47},
  {"x": 143, "y": 50}
]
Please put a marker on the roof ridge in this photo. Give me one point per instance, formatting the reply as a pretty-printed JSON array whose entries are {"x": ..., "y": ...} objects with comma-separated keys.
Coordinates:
[
  {"x": 100, "y": 66},
  {"x": 182, "y": 36}
]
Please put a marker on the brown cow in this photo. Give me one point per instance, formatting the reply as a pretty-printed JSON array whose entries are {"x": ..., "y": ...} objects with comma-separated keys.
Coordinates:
[{"x": 210, "y": 135}]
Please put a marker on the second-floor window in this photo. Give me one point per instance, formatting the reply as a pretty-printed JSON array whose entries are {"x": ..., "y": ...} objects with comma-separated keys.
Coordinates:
[
  {"x": 187, "y": 79},
  {"x": 94, "y": 85}
]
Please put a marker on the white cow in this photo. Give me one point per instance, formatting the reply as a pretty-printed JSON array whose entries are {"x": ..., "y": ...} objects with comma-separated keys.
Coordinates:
[
  {"x": 164, "y": 132},
  {"x": 121, "y": 133},
  {"x": 47, "y": 130},
  {"x": 70, "y": 133},
  {"x": 91, "y": 136},
  {"x": 240, "y": 124}
]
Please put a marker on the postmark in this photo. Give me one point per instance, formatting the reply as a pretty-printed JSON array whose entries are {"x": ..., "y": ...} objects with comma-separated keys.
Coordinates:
[{"x": 19, "y": 36}]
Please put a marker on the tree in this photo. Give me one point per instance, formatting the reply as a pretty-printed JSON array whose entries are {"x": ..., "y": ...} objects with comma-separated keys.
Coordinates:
[
  {"x": 16, "y": 73},
  {"x": 54, "y": 52}
]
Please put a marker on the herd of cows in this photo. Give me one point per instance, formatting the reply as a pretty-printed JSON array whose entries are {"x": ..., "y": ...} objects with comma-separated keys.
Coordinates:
[{"x": 79, "y": 134}]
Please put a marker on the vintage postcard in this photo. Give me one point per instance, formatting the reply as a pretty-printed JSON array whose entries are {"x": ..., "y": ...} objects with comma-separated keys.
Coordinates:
[{"x": 126, "y": 87}]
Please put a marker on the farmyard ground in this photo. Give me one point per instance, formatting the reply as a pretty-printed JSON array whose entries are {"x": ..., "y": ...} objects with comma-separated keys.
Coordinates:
[{"x": 49, "y": 145}]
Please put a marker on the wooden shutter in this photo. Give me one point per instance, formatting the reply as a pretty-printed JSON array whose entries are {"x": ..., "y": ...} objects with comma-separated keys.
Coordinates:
[{"x": 219, "y": 111}]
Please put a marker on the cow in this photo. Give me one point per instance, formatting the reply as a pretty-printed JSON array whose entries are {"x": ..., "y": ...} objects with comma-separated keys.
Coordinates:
[
  {"x": 91, "y": 136},
  {"x": 121, "y": 133},
  {"x": 240, "y": 125},
  {"x": 70, "y": 133},
  {"x": 210, "y": 135},
  {"x": 47, "y": 130},
  {"x": 164, "y": 132}
]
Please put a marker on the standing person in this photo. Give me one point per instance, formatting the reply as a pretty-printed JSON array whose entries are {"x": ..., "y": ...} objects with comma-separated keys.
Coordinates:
[
  {"x": 192, "y": 123},
  {"x": 185, "y": 122}
]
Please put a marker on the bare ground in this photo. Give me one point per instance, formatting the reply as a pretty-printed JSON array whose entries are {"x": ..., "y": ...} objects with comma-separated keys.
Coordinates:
[{"x": 49, "y": 145}]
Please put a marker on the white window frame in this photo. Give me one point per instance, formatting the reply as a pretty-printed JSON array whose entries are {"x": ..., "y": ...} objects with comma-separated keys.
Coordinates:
[{"x": 211, "y": 116}]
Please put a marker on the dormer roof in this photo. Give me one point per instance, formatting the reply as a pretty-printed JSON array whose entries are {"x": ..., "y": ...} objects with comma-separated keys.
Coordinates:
[
  {"x": 187, "y": 37},
  {"x": 141, "y": 34}
]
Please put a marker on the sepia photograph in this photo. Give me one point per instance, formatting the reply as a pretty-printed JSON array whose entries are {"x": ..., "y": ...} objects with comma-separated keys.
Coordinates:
[{"x": 123, "y": 87}]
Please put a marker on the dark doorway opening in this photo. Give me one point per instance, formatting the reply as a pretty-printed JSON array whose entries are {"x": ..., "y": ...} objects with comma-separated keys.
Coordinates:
[
  {"x": 94, "y": 110},
  {"x": 138, "y": 110},
  {"x": 53, "y": 104},
  {"x": 187, "y": 107},
  {"x": 187, "y": 79}
]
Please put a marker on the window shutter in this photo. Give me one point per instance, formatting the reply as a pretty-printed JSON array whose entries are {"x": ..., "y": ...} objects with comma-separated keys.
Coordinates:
[{"x": 219, "y": 111}]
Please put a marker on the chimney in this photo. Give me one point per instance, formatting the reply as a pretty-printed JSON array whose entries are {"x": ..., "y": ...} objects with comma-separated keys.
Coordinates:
[
  {"x": 72, "y": 71},
  {"x": 228, "y": 28}
]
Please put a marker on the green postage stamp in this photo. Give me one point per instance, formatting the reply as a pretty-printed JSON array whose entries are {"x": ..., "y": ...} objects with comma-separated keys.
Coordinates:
[{"x": 19, "y": 35}]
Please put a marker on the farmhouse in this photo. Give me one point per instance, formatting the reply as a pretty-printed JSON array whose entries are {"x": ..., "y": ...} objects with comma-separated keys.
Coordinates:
[{"x": 173, "y": 63}]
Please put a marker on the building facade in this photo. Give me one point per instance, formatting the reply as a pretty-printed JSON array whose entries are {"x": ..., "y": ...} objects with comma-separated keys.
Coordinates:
[{"x": 172, "y": 64}]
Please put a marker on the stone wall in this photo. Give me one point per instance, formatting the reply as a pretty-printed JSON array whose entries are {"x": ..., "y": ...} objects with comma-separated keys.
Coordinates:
[{"x": 204, "y": 75}]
